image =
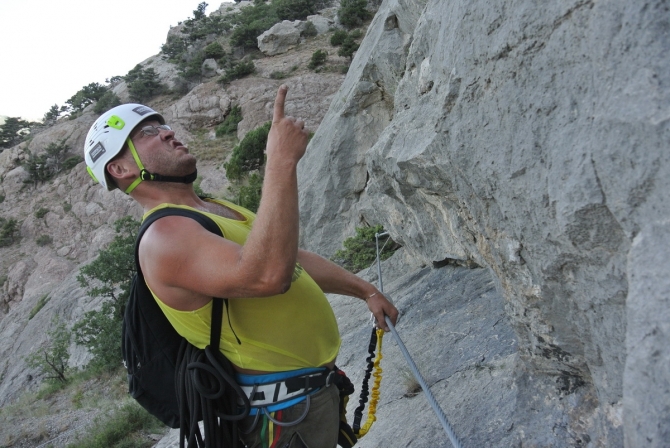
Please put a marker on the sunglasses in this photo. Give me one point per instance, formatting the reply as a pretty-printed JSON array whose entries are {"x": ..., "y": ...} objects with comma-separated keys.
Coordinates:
[{"x": 154, "y": 130}]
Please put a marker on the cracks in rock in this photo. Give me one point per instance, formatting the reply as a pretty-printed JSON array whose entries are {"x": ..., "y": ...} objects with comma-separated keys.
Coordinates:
[{"x": 534, "y": 45}]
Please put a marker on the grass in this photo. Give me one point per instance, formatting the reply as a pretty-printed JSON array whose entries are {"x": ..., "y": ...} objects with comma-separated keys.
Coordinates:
[
  {"x": 121, "y": 422},
  {"x": 217, "y": 149},
  {"x": 40, "y": 304},
  {"x": 125, "y": 427}
]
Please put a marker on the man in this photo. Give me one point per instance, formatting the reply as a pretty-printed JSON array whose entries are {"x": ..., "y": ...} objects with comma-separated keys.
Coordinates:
[{"x": 279, "y": 322}]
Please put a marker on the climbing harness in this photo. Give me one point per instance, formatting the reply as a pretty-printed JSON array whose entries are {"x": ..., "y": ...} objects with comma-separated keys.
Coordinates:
[{"x": 377, "y": 337}]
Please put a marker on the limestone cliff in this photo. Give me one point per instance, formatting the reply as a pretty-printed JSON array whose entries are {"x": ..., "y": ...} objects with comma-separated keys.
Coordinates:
[{"x": 531, "y": 139}]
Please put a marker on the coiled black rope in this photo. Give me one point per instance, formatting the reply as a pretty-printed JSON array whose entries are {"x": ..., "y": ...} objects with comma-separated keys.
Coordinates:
[
  {"x": 365, "y": 387},
  {"x": 207, "y": 391}
]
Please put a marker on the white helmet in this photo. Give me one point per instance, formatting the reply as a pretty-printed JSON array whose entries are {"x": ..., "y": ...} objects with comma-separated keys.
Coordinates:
[{"x": 109, "y": 134}]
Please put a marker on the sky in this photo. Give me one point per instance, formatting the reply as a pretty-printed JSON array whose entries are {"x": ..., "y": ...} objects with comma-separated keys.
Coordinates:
[{"x": 50, "y": 49}]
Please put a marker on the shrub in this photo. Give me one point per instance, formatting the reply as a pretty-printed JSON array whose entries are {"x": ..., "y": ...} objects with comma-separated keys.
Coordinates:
[
  {"x": 229, "y": 125},
  {"x": 8, "y": 231},
  {"x": 52, "y": 359},
  {"x": 71, "y": 162},
  {"x": 45, "y": 166},
  {"x": 214, "y": 51},
  {"x": 173, "y": 48},
  {"x": 41, "y": 213},
  {"x": 360, "y": 251},
  {"x": 318, "y": 58},
  {"x": 294, "y": 9},
  {"x": 107, "y": 101},
  {"x": 249, "y": 154},
  {"x": 310, "y": 30},
  {"x": 86, "y": 96},
  {"x": 2, "y": 198},
  {"x": 52, "y": 114},
  {"x": 250, "y": 195},
  {"x": 338, "y": 38},
  {"x": 12, "y": 132},
  {"x": 67, "y": 207},
  {"x": 237, "y": 71},
  {"x": 352, "y": 13},
  {"x": 277, "y": 75},
  {"x": 109, "y": 277},
  {"x": 121, "y": 429},
  {"x": 192, "y": 69},
  {"x": 143, "y": 84},
  {"x": 43, "y": 240},
  {"x": 251, "y": 22},
  {"x": 349, "y": 46}
]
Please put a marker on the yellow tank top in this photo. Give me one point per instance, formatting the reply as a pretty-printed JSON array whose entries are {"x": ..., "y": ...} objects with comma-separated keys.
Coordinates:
[{"x": 289, "y": 331}]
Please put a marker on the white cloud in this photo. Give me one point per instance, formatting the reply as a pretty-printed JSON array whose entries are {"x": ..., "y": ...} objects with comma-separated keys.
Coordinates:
[{"x": 50, "y": 49}]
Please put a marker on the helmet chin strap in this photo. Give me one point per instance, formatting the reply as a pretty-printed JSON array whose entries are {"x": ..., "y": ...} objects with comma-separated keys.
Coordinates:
[{"x": 146, "y": 175}]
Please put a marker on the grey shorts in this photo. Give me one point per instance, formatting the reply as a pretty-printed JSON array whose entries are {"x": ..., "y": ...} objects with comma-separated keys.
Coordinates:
[{"x": 319, "y": 429}]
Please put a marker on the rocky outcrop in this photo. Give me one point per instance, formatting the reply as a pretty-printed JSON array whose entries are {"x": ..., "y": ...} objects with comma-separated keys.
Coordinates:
[
  {"x": 532, "y": 142},
  {"x": 280, "y": 38}
]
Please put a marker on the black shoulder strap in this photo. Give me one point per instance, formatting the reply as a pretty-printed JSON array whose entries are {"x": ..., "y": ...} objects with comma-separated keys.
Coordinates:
[{"x": 207, "y": 223}]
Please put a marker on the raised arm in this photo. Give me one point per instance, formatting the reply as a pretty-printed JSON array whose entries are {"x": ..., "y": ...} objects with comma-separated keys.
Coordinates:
[
  {"x": 186, "y": 265},
  {"x": 332, "y": 278}
]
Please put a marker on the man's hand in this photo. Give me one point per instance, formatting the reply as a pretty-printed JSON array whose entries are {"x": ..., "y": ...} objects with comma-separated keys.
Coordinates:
[
  {"x": 288, "y": 137},
  {"x": 380, "y": 307}
]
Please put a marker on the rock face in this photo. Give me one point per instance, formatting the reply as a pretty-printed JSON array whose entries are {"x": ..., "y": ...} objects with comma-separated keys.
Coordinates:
[{"x": 534, "y": 142}]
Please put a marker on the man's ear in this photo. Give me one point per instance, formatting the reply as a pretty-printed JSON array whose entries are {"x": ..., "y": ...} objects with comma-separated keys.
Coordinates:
[{"x": 119, "y": 169}]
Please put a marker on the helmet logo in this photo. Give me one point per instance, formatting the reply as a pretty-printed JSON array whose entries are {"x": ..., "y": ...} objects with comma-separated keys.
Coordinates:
[
  {"x": 97, "y": 151},
  {"x": 142, "y": 110}
]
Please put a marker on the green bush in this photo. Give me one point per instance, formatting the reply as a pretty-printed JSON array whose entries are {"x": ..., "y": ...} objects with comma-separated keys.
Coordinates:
[
  {"x": 277, "y": 75},
  {"x": 45, "y": 166},
  {"x": 229, "y": 124},
  {"x": 109, "y": 277},
  {"x": 250, "y": 195},
  {"x": 310, "y": 30},
  {"x": 192, "y": 69},
  {"x": 318, "y": 58},
  {"x": 249, "y": 154},
  {"x": 251, "y": 22},
  {"x": 71, "y": 162},
  {"x": 173, "y": 48},
  {"x": 338, "y": 38},
  {"x": 86, "y": 96},
  {"x": 9, "y": 229},
  {"x": 41, "y": 212},
  {"x": 43, "y": 240},
  {"x": 13, "y": 131},
  {"x": 294, "y": 9},
  {"x": 237, "y": 71},
  {"x": 122, "y": 429},
  {"x": 214, "y": 51},
  {"x": 360, "y": 251},
  {"x": 349, "y": 46},
  {"x": 107, "y": 101},
  {"x": 143, "y": 84},
  {"x": 52, "y": 359},
  {"x": 352, "y": 13},
  {"x": 2, "y": 198},
  {"x": 67, "y": 207}
]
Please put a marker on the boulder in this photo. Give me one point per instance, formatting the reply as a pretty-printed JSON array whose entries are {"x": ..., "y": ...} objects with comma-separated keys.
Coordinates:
[
  {"x": 321, "y": 23},
  {"x": 280, "y": 38},
  {"x": 209, "y": 68}
]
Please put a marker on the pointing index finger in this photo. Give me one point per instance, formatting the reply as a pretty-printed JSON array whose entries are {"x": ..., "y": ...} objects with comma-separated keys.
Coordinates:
[{"x": 279, "y": 103}]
